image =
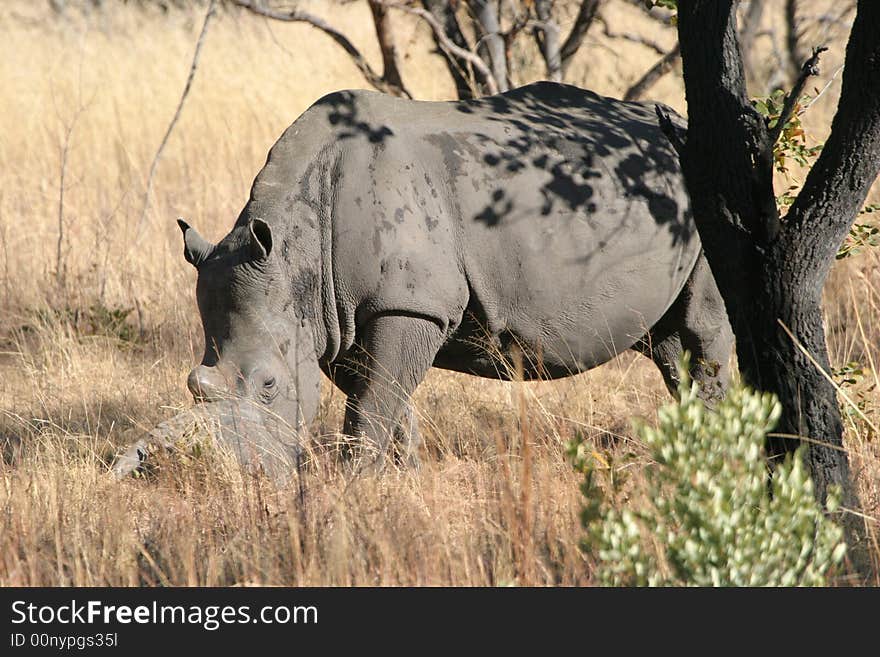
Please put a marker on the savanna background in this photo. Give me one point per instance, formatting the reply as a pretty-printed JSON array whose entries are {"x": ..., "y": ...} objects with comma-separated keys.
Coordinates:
[{"x": 99, "y": 327}]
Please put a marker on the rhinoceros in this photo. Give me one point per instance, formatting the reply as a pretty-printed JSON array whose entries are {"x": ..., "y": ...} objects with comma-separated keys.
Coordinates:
[{"x": 535, "y": 233}]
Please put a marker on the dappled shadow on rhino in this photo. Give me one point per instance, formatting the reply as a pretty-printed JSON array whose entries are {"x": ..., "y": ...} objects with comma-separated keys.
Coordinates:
[{"x": 537, "y": 233}]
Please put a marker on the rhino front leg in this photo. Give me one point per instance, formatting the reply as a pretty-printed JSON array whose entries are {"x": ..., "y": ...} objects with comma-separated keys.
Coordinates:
[{"x": 395, "y": 353}]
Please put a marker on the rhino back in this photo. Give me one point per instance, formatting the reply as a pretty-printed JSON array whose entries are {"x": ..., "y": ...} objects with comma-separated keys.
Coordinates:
[
  {"x": 547, "y": 217},
  {"x": 576, "y": 223}
]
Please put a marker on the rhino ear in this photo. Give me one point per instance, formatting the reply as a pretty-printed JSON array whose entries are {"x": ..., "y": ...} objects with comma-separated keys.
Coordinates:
[
  {"x": 261, "y": 239},
  {"x": 195, "y": 247}
]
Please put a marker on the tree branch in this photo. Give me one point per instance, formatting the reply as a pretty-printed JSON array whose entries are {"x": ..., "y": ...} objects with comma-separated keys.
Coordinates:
[
  {"x": 749, "y": 31},
  {"x": 212, "y": 8},
  {"x": 447, "y": 45},
  {"x": 519, "y": 21},
  {"x": 792, "y": 39},
  {"x": 809, "y": 69},
  {"x": 657, "y": 71},
  {"x": 823, "y": 90},
  {"x": 630, "y": 36},
  {"x": 838, "y": 183},
  {"x": 491, "y": 42},
  {"x": 298, "y": 16},
  {"x": 461, "y": 72},
  {"x": 390, "y": 65},
  {"x": 548, "y": 39},
  {"x": 586, "y": 14}
]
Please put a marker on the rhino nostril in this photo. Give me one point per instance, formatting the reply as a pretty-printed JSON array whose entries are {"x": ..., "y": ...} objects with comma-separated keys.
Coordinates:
[{"x": 202, "y": 384}]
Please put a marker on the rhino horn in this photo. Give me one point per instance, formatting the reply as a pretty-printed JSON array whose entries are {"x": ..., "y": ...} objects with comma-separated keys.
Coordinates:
[
  {"x": 195, "y": 247},
  {"x": 261, "y": 239}
]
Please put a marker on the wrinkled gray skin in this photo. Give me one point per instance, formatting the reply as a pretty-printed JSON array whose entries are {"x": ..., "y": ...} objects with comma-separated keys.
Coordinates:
[{"x": 546, "y": 225}]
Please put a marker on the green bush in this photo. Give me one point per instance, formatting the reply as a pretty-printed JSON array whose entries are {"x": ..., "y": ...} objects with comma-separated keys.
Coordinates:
[{"x": 709, "y": 517}]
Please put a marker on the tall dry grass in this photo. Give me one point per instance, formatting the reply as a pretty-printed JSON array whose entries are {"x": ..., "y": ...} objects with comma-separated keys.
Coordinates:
[{"x": 99, "y": 328}]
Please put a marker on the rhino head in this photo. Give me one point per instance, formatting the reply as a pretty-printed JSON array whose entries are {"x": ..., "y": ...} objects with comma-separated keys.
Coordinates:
[{"x": 259, "y": 342}]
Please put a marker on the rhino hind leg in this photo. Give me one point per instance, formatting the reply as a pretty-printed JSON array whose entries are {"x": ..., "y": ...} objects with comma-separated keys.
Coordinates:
[
  {"x": 696, "y": 322},
  {"x": 390, "y": 360}
]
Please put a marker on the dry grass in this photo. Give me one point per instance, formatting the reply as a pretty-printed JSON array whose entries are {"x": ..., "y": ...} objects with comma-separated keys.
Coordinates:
[{"x": 495, "y": 502}]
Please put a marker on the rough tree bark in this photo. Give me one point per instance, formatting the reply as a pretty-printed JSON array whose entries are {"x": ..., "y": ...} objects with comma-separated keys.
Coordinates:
[{"x": 771, "y": 271}]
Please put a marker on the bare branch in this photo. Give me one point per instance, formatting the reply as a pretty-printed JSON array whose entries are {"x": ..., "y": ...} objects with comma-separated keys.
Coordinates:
[
  {"x": 548, "y": 39},
  {"x": 809, "y": 69},
  {"x": 212, "y": 7},
  {"x": 822, "y": 91},
  {"x": 391, "y": 67},
  {"x": 792, "y": 39},
  {"x": 750, "y": 23},
  {"x": 519, "y": 22},
  {"x": 630, "y": 36},
  {"x": 298, "y": 16},
  {"x": 582, "y": 22},
  {"x": 748, "y": 32},
  {"x": 835, "y": 188},
  {"x": 657, "y": 71},
  {"x": 492, "y": 46},
  {"x": 447, "y": 45},
  {"x": 461, "y": 72},
  {"x": 832, "y": 24}
]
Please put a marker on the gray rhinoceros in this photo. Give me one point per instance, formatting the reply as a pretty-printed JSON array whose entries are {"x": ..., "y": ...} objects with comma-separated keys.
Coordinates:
[{"x": 535, "y": 233}]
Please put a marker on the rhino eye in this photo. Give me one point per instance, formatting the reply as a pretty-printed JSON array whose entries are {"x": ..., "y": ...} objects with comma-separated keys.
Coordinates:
[{"x": 269, "y": 383}]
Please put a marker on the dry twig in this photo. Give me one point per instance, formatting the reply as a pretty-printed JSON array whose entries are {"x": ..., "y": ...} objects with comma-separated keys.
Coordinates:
[{"x": 189, "y": 80}]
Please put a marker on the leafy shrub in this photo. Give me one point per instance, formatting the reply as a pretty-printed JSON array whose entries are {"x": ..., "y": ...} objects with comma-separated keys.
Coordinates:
[{"x": 709, "y": 518}]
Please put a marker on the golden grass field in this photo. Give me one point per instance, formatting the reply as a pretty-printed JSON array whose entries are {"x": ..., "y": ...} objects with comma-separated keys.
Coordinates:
[{"x": 496, "y": 501}]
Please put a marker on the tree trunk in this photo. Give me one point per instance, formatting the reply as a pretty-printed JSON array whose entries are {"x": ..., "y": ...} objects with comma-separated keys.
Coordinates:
[
  {"x": 769, "y": 270},
  {"x": 770, "y": 359}
]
